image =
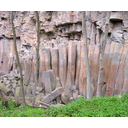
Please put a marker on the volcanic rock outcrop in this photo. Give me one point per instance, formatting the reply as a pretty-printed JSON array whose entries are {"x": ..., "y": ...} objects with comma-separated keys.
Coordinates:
[{"x": 62, "y": 54}]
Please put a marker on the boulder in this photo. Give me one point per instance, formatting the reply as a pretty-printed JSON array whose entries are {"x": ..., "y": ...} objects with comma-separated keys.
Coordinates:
[{"x": 53, "y": 95}]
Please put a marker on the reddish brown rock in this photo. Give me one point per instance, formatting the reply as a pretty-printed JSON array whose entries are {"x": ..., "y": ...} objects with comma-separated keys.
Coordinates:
[
  {"x": 120, "y": 77},
  {"x": 62, "y": 64},
  {"x": 125, "y": 83},
  {"x": 114, "y": 68},
  {"x": 94, "y": 70},
  {"x": 92, "y": 59},
  {"x": 55, "y": 61},
  {"x": 71, "y": 65},
  {"x": 62, "y": 27},
  {"x": 47, "y": 59},
  {"x": 78, "y": 64},
  {"x": 108, "y": 60},
  {"x": 41, "y": 67},
  {"x": 82, "y": 77}
]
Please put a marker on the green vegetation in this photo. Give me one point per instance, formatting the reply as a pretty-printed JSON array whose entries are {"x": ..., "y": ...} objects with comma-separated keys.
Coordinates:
[{"x": 96, "y": 107}]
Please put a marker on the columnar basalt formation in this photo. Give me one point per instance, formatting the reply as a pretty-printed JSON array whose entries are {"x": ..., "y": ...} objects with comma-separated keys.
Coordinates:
[{"x": 61, "y": 52}]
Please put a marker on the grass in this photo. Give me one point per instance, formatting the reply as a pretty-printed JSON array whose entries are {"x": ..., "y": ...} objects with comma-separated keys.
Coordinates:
[{"x": 96, "y": 107}]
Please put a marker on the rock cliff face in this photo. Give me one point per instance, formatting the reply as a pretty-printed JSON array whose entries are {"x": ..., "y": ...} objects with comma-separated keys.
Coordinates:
[{"x": 61, "y": 34}]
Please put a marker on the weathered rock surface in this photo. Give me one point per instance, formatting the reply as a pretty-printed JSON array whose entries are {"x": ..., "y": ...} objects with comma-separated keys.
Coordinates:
[{"x": 61, "y": 50}]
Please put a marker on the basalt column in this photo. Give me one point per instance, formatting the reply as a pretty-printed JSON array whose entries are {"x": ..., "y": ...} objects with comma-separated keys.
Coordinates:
[
  {"x": 41, "y": 66},
  {"x": 82, "y": 76},
  {"x": 55, "y": 61},
  {"x": 71, "y": 66},
  {"x": 62, "y": 64}
]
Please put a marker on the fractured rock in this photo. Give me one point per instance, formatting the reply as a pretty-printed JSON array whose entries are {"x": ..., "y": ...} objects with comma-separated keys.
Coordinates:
[{"x": 53, "y": 95}]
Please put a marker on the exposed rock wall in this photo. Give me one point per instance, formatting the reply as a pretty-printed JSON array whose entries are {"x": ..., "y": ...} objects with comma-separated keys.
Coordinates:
[{"x": 61, "y": 34}]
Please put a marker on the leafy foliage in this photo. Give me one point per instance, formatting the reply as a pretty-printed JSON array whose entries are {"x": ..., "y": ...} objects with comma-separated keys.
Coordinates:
[{"x": 96, "y": 107}]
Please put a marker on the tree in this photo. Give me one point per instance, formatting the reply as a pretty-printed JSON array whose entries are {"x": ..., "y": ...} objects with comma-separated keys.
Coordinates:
[
  {"x": 86, "y": 54},
  {"x": 17, "y": 59},
  {"x": 101, "y": 57},
  {"x": 37, "y": 56}
]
